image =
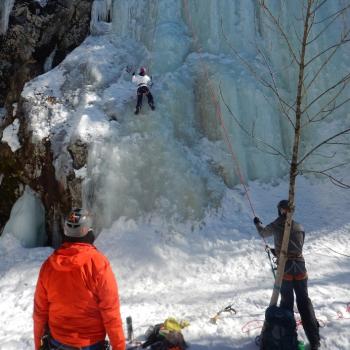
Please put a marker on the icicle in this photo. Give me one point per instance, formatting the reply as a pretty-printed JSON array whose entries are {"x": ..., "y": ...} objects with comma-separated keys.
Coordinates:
[
  {"x": 5, "y": 10},
  {"x": 101, "y": 12},
  {"x": 27, "y": 220},
  {"x": 42, "y": 3},
  {"x": 2, "y": 114},
  {"x": 49, "y": 60}
]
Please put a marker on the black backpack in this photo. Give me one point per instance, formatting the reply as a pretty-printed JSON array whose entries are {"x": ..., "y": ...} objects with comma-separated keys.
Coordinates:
[
  {"x": 279, "y": 331},
  {"x": 156, "y": 339}
]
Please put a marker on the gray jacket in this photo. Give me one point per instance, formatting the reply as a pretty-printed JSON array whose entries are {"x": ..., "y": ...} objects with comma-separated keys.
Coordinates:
[{"x": 296, "y": 240}]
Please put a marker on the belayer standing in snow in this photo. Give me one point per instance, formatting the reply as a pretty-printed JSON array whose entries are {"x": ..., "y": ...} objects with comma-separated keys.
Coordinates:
[
  {"x": 295, "y": 274},
  {"x": 143, "y": 82},
  {"x": 76, "y": 298}
]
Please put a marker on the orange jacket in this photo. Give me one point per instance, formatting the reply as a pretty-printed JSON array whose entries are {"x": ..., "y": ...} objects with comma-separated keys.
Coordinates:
[{"x": 77, "y": 298}]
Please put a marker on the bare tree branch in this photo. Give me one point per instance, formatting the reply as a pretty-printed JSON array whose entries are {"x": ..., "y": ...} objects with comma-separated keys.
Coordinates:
[
  {"x": 341, "y": 11},
  {"x": 326, "y": 61},
  {"x": 251, "y": 135},
  {"x": 318, "y": 6},
  {"x": 332, "y": 178},
  {"x": 339, "y": 143},
  {"x": 344, "y": 40},
  {"x": 321, "y": 144},
  {"x": 280, "y": 29},
  {"x": 258, "y": 77},
  {"x": 297, "y": 34},
  {"x": 275, "y": 88},
  {"x": 329, "y": 111},
  {"x": 326, "y": 27},
  {"x": 344, "y": 80},
  {"x": 325, "y": 156}
]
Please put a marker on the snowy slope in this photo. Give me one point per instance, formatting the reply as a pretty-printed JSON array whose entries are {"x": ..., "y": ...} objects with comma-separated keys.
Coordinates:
[
  {"x": 145, "y": 173},
  {"x": 191, "y": 272}
]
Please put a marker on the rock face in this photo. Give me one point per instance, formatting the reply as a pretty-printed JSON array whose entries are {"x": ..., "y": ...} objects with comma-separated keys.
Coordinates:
[{"x": 37, "y": 31}]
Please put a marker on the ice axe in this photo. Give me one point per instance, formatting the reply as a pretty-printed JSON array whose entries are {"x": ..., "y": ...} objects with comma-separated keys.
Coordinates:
[
  {"x": 129, "y": 68},
  {"x": 228, "y": 308}
]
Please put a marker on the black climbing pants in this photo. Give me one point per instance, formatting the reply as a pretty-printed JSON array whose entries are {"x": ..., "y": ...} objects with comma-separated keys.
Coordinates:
[
  {"x": 144, "y": 90},
  {"x": 304, "y": 304}
]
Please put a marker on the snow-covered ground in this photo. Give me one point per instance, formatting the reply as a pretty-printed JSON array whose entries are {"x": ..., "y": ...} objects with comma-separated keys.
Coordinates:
[
  {"x": 172, "y": 164},
  {"x": 190, "y": 272}
]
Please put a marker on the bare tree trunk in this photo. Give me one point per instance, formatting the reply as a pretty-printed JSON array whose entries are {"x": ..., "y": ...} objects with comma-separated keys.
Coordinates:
[{"x": 294, "y": 164}]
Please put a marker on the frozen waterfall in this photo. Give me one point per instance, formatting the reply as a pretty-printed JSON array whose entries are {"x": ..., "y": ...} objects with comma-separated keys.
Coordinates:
[
  {"x": 27, "y": 221},
  {"x": 173, "y": 161}
]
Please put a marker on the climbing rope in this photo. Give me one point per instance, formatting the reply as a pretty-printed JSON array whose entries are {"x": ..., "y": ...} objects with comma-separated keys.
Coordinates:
[
  {"x": 258, "y": 324},
  {"x": 225, "y": 133},
  {"x": 334, "y": 251},
  {"x": 156, "y": 11},
  {"x": 218, "y": 109}
]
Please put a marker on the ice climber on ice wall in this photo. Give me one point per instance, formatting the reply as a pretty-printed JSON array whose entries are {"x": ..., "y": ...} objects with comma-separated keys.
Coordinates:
[
  {"x": 76, "y": 299},
  {"x": 143, "y": 82},
  {"x": 295, "y": 273}
]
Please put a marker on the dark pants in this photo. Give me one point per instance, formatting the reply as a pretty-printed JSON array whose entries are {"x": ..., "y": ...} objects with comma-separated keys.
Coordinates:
[
  {"x": 304, "y": 304},
  {"x": 140, "y": 92}
]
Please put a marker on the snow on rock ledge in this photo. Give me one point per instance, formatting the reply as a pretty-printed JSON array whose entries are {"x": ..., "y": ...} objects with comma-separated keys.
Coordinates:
[{"x": 10, "y": 135}]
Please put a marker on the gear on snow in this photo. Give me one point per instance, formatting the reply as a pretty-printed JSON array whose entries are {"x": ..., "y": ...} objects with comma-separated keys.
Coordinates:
[
  {"x": 162, "y": 336},
  {"x": 227, "y": 308},
  {"x": 279, "y": 331}
]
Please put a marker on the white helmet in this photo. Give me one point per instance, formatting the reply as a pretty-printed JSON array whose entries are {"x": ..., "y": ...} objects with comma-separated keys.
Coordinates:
[{"x": 78, "y": 223}]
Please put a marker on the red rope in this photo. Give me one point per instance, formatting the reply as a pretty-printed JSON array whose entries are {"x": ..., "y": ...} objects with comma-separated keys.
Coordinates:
[
  {"x": 340, "y": 316},
  {"x": 252, "y": 325},
  {"x": 218, "y": 112}
]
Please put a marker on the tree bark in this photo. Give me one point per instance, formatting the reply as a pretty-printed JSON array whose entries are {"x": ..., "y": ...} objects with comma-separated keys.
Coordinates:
[{"x": 294, "y": 164}]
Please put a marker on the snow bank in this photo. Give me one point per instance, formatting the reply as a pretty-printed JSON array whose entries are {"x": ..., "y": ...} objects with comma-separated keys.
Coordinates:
[{"x": 166, "y": 269}]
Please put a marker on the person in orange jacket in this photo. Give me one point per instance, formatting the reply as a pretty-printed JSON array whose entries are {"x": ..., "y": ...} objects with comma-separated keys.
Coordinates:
[{"x": 76, "y": 298}]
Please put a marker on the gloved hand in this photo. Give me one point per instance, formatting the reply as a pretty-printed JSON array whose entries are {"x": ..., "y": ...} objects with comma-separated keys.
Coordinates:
[
  {"x": 257, "y": 220},
  {"x": 128, "y": 68}
]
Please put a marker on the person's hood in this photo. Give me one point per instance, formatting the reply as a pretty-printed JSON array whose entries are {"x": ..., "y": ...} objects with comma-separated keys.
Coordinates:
[{"x": 71, "y": 256}]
